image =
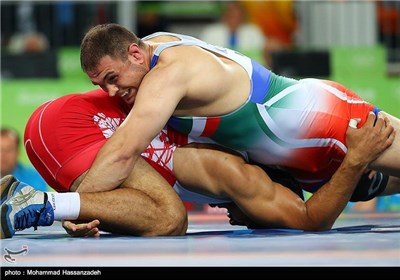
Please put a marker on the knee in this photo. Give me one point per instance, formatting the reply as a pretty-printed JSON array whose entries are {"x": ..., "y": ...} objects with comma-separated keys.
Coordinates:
[{"x": 174, "y": 222}]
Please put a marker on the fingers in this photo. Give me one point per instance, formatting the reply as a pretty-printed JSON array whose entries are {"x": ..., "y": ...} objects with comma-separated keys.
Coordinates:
[
  {"x": 387, "y": 131},
  {"x": 371, "y": 173},
  {"x": 369, "y": 141},
  {"x": 94, "y": 232},
  {"x": 82, "y": 230},
  {"x": 374, "y": 119},
  {"x": 388, "y": 126},
  {"x": 381, "y": 121},
  {"x": 353, "y": 123},
  {"x": 68, "y": 225},
  {"x": 371, "y": 119},
  {"x": 93, "y": 224},
  {"x": 391, "y": 135}
]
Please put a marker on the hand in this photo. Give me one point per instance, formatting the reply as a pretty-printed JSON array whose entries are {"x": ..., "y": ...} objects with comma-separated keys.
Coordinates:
[
  {"x": 371, "y": 173},
  {"x": 368, "y": 142},
  {"x": 82, "y": 229},
  {"x": 237, "y": 217}
]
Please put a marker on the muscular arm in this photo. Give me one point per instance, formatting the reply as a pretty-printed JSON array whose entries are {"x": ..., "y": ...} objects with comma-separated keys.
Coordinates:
[
  {"x": 272, "y": 205},
  {"x": 156, "y": 101}
]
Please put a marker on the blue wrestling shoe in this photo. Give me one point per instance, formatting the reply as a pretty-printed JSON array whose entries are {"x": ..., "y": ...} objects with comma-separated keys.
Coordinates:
[
  {"x": 27, "y": 207},
  {"x": 5, "y": 185}
]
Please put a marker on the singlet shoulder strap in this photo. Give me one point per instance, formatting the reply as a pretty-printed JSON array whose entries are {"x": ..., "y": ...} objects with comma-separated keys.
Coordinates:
[{"x": 186, "y": 40}]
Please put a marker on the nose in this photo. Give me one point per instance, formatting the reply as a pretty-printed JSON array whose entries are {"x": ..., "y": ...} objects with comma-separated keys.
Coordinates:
[{"x": 112, "y": 90}]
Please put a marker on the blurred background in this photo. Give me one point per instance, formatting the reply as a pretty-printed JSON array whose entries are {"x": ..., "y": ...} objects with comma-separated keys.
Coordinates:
[{"x": 356, "y": 43}]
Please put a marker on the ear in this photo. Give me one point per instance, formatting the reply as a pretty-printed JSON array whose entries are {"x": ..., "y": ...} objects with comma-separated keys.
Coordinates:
[{"x": 135, "y": 52}]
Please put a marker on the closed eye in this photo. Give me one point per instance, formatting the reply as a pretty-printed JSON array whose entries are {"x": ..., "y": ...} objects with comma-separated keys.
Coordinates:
[{"x": 112, "y": 79}]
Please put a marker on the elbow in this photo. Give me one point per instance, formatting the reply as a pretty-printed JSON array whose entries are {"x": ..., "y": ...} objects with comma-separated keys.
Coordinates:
[
  {"x": 310, "y": 226},
  {"x": 310, "y": 221},
  {"x": 318, "y": 227}
]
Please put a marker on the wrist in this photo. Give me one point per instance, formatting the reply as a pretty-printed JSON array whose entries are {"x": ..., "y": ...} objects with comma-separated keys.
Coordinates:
[{"x": 355, "y": 162}]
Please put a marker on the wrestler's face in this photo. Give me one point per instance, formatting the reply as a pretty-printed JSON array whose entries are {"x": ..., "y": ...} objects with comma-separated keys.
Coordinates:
[{"x": 119, "y": 78}]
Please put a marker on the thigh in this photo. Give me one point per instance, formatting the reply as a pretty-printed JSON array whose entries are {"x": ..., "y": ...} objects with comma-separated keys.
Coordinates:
[
  {"x": 146, "y": 179},
  {"x": 393, "y": 186},
  {"x": 207, "y": 168}
]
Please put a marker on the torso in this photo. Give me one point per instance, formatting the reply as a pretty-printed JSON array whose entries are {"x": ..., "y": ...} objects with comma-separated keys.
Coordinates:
[{"x": 295, "y": 125}]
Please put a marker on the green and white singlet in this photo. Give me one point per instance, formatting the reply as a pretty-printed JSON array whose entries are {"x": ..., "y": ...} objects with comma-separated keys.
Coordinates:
[{"x": 296, "y": 125}]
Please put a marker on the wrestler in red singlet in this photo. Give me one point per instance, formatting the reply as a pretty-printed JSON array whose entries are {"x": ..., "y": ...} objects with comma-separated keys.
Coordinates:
[{"x": 63, "y": 156}]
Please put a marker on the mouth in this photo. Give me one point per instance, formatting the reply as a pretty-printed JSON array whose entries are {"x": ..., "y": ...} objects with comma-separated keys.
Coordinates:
[
  {"x": 128, "y": 96},
  {"x": 124, "y": 94}
]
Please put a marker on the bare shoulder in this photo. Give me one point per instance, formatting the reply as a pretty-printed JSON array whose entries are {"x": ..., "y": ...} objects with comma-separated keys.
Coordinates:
[
  {"x": 184, "y": 55},
  {"x": 181, "y": 66}
]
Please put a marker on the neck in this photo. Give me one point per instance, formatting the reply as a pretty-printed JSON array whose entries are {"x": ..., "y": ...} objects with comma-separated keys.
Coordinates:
[{"x": 148, "y": 50}]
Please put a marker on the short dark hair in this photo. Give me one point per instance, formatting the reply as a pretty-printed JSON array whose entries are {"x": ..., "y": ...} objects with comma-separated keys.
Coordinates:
[{"x": 106, "y": 39}]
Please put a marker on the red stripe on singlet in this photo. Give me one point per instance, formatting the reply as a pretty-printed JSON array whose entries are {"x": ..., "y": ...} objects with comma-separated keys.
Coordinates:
[
  {"x": 176, "y": 137},
  {"x": 211, "y": 126}
]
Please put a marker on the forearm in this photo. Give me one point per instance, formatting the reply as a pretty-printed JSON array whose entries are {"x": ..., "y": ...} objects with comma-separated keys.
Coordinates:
[
  {"x": 276, "y": 206},
  {"x": 106, "y": 173},
  {"x": 327, "y": 203},
  {"x": 113, "y": 164},
  {"x": 117, "y": 157}
]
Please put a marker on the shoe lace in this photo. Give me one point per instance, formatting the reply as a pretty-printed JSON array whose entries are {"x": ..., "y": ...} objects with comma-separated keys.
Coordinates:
[{"x": 24, "y": 219}]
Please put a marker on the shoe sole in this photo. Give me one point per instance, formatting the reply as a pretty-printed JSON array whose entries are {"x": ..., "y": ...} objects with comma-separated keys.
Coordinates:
[
  {"x": 5, "y": 227},
  {"x": 5, "y": 186}
]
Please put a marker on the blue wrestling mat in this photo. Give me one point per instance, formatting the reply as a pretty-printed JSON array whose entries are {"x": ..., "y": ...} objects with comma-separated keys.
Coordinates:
[
  {"x": 266, "y": 232},
  {"x": 361, "y": 241}
]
